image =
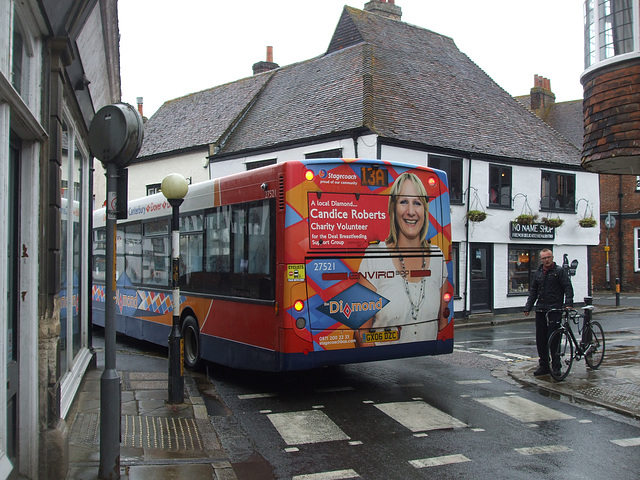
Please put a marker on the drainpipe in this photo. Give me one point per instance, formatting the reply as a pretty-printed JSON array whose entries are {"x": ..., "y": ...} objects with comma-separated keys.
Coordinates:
[{"x": 467, "y": 276}]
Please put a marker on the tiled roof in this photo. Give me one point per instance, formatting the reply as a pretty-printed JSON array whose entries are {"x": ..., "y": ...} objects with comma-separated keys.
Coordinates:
[
  {"x": 564, "y": 117},
  {"x": 200, "y": 118},
  {"x": 401, "y": 81}
]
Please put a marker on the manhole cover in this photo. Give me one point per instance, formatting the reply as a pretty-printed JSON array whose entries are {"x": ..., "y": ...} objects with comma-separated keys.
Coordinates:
[{"x": 163, "y": 433}]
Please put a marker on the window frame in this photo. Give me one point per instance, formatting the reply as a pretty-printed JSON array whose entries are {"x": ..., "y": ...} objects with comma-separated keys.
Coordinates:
[
  {"x": 448, "y": 164},
  {"x": 501, "y": 200},
  {"x": 569, "y": 203},
  {"x": 533, "y": 254}
]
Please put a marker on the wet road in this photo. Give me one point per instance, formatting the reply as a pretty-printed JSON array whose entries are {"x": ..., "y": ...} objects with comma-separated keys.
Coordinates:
[{"x": 438, "y": 417}]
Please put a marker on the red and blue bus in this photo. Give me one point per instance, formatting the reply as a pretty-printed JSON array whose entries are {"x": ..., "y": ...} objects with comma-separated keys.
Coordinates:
[{"x": 291, "y": 266}]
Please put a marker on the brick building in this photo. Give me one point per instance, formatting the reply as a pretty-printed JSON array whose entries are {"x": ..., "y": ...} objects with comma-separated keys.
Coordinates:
[{"x": 611, "y": 83}]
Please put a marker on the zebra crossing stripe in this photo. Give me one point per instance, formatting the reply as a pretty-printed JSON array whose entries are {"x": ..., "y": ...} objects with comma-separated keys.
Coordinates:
[
  {"x": 438, "y": 461},
  {"x": 336, "y": 475},
  {"x": 542, "y": 450},
  {"x": 627, "y": 442}
]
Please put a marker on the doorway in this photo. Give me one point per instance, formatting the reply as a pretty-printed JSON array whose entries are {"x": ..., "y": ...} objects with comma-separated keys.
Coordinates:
[{"x": 481, "y": 266}]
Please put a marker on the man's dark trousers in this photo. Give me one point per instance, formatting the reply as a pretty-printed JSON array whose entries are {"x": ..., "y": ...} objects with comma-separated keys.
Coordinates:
[{"x": 543, "y": 332}]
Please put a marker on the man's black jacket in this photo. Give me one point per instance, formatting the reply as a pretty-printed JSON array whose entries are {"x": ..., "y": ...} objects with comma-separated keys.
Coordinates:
[{"x": 548, "y": 290}]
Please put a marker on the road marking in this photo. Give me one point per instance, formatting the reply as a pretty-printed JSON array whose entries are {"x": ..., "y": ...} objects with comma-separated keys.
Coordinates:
[
  {"x": 255, "y": 396},
  {"x": 518, "y": 356},
  {"x": 543, "y": 450},
  {"x": 333, "y": 389},
  {"x": 419, "y": 416},
  {"x": 311, "y": 426},
  {"x": 627, "y": 442},
  {"x": 335, "y": 475},
  {"x": 496, "y": 357},
  {"x": 523, "y": 409},
  {"x": 438, "y": 461},
  {"x": 472, "y": 382}
]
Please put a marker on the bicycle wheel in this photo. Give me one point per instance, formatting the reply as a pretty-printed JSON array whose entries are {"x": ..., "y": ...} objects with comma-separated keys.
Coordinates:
[
  {"x": 595, "y": 352},
  {"x": 560, "y": 354}
]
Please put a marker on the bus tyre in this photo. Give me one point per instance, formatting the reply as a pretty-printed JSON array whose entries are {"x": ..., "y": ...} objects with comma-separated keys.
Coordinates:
[{"x": 191, "y": 338}]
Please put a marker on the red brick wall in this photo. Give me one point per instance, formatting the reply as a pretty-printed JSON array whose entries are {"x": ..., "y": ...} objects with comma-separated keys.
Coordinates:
[{"x": 610, "y": 187}]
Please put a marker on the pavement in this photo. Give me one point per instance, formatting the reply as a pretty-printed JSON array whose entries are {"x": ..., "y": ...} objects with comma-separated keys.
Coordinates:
[{"x": 163, "y": 441}]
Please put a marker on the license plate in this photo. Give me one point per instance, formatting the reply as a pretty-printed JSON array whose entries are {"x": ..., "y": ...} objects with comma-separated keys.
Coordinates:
[{"x": 381, "y": 336}]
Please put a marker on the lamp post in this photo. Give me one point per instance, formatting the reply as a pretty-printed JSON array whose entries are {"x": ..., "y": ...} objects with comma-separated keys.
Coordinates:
[
  {"x": 174, "y": 188},
  {"x": 115, "y": 138}
]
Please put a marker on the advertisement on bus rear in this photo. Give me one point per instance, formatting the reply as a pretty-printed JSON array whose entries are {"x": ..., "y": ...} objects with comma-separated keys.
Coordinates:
[{"x": 375, "y": 271}]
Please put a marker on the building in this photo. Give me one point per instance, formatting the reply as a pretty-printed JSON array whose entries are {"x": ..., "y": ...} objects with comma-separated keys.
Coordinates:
[
  {"x": 388, "y": 89},
  {"x": 59, "y": 63},
  {"x": 611, "y": 82}
]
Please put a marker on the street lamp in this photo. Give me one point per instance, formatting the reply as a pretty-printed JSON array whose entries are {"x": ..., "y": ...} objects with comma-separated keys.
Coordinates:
[{"x": 174, "y": 188}]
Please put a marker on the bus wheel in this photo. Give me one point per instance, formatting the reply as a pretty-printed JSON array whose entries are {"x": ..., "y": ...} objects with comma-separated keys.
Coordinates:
[{"x": 191, "y": 338}]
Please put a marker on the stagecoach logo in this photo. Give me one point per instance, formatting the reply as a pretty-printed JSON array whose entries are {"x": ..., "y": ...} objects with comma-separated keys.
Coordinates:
[
  {"x": 354, "y": 306},
  {"x": 322, "y": 173}
]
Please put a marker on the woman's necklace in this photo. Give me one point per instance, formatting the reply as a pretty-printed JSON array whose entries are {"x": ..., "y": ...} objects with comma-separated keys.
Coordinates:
[{"x": 415, "y": 306}]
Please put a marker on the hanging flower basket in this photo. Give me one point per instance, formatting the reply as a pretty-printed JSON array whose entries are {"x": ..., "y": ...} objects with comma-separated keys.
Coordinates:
[
  {"x": 553, "y": 222},
  {"x": 526, "y": 218},
  {"x": 476, "y": 215},
  {"x": 587, "y": 222}
]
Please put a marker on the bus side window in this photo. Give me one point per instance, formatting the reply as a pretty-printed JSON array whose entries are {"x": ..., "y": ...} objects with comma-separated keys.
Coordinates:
[
  {"x": 133, "y": 252},
  {"x": 156, "y": 253},
  {"x": 191, "y": 250}
]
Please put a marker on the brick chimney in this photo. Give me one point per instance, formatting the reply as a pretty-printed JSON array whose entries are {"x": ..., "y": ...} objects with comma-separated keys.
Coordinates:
[
  {"x": 261, "y": 67},
  {"x": 541, "y": 95},
  {"x": 386, "y": 8},
  {"x": 139, "y": 100}
]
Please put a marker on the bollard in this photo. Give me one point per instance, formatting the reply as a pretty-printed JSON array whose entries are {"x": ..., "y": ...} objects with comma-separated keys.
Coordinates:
[
  {"x": 617, "y": 292},
  {"x": 587, "y": 319}
]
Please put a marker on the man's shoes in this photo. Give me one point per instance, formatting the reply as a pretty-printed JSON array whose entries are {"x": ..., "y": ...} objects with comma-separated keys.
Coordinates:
[{"x": 541, "y": 371}]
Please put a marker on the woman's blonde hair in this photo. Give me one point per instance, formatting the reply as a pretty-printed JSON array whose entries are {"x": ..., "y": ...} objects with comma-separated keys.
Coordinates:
[{"x": 393, "y": 201}]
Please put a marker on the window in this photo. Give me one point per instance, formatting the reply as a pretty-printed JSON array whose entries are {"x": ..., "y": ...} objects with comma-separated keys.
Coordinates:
[
  {"x": 558, "y": 192},
  {"x": 156, "y": 253},
  {"x": 455, "y": 260},
  {"x": 153, "y": 188},
  {"x": 260, "y": 163},
  {"x": 191, "y": 251},
  {"x": 615, "y": 27},
  {"x": 239, "y": 250},
  {"x": 636, "y": 249},
  {"x": 334, "y": 153},
  {"x": 453, "y": 168},
  {"x": 523, "y": 261},
  {"x": 499, "y": 186}
]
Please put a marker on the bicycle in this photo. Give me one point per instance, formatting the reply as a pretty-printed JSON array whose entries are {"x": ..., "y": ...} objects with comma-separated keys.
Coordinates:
[{"x": 562, "y": 342}]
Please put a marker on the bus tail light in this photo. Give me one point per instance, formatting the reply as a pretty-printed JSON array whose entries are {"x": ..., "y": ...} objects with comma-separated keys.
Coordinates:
[
  {"x": 301, "y": 322},
  {"x": 298, "y": 305},
  {"x": 432, "y": 182},
  {"x": 447, "y": 297},
  {"x": 309, "y": 175}
]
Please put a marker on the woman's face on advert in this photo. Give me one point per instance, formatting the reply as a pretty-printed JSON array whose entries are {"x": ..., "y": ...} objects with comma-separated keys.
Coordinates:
[{"x": 410, "y": 212}]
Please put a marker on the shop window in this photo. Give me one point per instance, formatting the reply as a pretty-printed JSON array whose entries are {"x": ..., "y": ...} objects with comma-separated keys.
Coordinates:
[
  {"x": 558, "y": 192},
  {"x": 523, "y": 261},
  {"x": 453, "y": 168},
  {"x": 455, "y": 260},
  {"x": 499, "y": 186}
]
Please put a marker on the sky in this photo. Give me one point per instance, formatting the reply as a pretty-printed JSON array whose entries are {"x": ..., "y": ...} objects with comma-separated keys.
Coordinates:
[{"x": 169, "y": 48}]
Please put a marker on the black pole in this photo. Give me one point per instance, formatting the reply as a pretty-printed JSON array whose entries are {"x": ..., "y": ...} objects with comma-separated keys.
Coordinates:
[
  {"x": 617, "y": 292},
  {"x": 110, "y": 380},
  {"x": 176, "y": 345}
]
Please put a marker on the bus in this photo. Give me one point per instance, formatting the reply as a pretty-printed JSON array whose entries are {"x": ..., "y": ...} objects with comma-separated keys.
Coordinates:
[{"x": 291, "y": 266}]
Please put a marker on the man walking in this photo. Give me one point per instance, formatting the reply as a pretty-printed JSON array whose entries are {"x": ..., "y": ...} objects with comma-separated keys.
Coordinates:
[{"x": 550, "y": 288}]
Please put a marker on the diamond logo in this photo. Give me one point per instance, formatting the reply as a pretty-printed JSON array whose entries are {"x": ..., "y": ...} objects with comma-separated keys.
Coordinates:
[{"x": 353, "y": 306}]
